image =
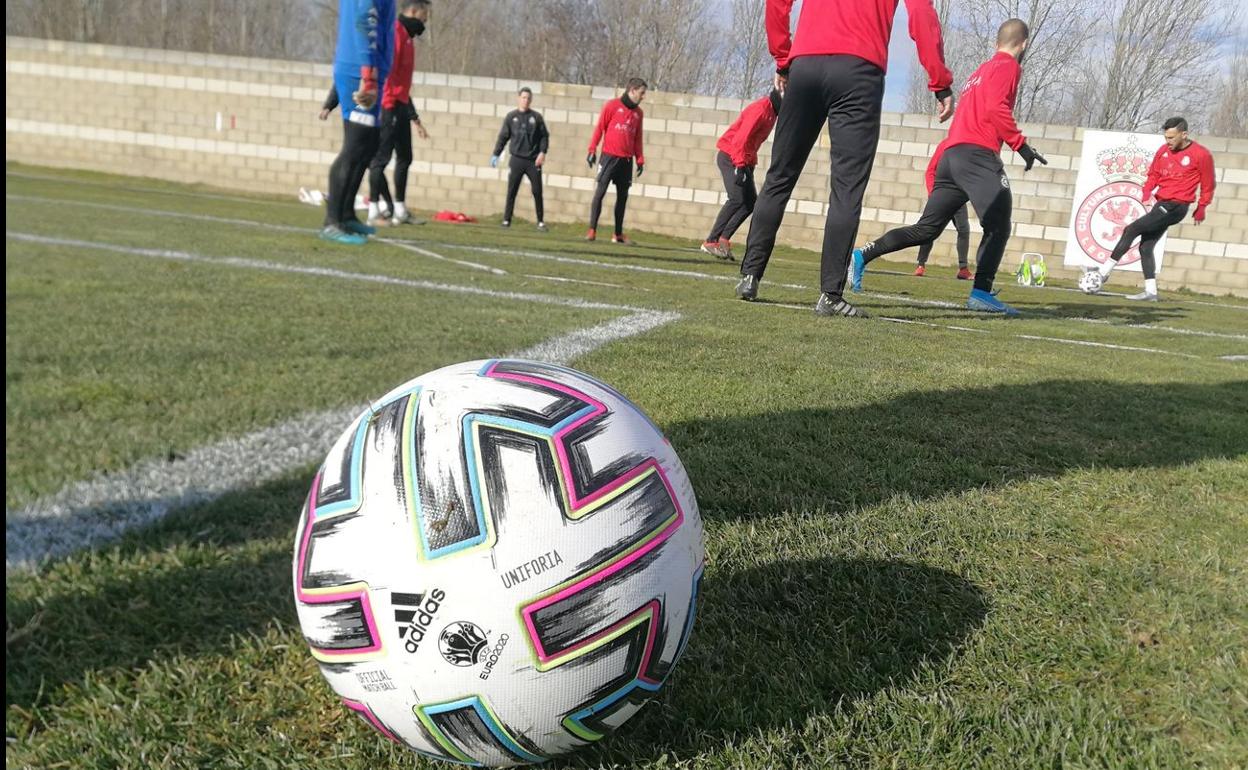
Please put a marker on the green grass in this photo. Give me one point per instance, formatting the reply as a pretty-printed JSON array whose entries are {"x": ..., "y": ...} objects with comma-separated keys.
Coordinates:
[{"x": 926, "y": 547}]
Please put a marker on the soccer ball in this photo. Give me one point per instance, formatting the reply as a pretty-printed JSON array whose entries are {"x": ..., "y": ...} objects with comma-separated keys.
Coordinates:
[
  {"x": 498, "y": 562},
  {"x": 1090, "y": 282}
]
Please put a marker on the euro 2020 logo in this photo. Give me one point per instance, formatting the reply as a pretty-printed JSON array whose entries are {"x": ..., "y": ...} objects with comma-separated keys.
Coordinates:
[{"x": 462, "y": 643}]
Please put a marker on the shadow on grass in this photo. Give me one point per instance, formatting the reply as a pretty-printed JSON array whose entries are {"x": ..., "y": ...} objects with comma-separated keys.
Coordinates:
[
  {"x": 185, "y": 586},
  {"x": 934, "y": 443},
  {"x": 774, "y": 644},
  {"x": 785, "y": 641}
]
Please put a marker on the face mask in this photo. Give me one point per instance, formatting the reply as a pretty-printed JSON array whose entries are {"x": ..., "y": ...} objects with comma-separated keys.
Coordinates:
[{"x": 414, "y": 27}]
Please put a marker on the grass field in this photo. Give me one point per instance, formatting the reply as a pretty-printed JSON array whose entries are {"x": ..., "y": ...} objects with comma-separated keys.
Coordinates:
[{"x": 945, "y": 540}]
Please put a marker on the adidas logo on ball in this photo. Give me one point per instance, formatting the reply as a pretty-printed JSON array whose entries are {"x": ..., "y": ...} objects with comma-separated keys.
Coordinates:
[{"x": 415, "y": 622}]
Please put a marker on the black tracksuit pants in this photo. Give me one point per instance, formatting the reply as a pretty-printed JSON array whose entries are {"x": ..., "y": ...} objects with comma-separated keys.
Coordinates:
[
  {"x": 519, "y": 168},
  {"x": 1149, "y": 229},
  {"x": 961, "y": 223},
  {"x": 396, "y": 139},
  {"x": 845, "y": 93},
  {"x": 966, "y": 172},
  {"x": 741, "y": 199},
  {"x": 359, "y": 145},
  {"x": 612, "y": 169}
]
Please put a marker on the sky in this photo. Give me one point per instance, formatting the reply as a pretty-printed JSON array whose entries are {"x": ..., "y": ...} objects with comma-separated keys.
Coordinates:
[{"x": 900, "y": 58}]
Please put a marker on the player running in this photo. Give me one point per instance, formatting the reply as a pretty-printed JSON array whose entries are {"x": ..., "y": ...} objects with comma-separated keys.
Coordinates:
[{"x": 967, "y": 166}]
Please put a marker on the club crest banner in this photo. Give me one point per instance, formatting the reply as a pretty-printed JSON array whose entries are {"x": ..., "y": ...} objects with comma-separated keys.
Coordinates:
[{"x": 1108, "y": 194}]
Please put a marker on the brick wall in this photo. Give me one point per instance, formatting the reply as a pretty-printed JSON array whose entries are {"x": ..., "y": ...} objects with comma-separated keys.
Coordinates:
[{"x": 154, "y": 113}]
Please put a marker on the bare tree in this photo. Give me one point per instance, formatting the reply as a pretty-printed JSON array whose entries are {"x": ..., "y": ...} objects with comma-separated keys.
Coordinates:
[
  {"x": 749, "y": 58},
  {"x": 1161, "y": 56},
  {"x": 1061, "y": 31},
  {"x": 1230, "y": 105},
  {"x": 918, "y": 95}
]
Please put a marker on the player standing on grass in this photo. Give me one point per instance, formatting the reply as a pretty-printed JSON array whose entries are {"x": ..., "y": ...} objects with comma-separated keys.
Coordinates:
[
  {"x": 397, "y": 117},
  {"x": 526, "y": 131},
  {"x": 832, "y": 72},
  {"x": 361, "y": 61},
  {"x": 1178, "y": 168},
  {"x": 967, "y": 166},
  {"x": 736, "y": 159},
  {"x": 619, "y": 130}
]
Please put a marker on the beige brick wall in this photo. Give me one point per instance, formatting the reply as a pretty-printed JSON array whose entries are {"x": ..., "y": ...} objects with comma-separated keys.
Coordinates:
[{"x": 154, "y": 113}]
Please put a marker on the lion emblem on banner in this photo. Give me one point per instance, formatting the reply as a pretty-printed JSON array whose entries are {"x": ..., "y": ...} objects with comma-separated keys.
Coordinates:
[{"x": 1108, "y": 209}]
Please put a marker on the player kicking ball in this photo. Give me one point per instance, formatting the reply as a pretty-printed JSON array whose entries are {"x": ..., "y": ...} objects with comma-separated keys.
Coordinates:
[{"x": 1179, "y": 167}]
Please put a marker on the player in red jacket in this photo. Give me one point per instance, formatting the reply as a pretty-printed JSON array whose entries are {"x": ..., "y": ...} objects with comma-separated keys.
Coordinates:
[
  {"x": 736, "y": 159},
  {"x": 967, "y": 166},
  {"x": 619, "y": 130},
  {"x": 1178, "y": 168},
  {"x": 832, "y": 72},
  {"x": 397, "y": 118}
]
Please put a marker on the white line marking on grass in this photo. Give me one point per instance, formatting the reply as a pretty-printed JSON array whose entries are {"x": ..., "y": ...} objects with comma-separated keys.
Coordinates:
[
  {"x": 566, "y": 348},
  {"x": 1234, "y": 358},
  {"x": 1020, "y": 336},
  {"x": 890, "y": 319},
  {"x": 936, "y": 326},
  {"x": 251, "y": 223},
  {"x": 1103, "y": 345},
  {"x": 608, "y": 265},
  {"x": 103, "y": 508},
  {"x": 559, "y": 279},
  {"x": 532, "y": 254},
  {"x": 1171, "y": 329},
  {"x": 278, "y": 267},
  {"x": 435, "y": 255},
  {"x": 151, "y": 191},
  {"x": 1213, "y": 304},
  {"x": 132, "y": 211},
  {"x": 912, "y": 300}
]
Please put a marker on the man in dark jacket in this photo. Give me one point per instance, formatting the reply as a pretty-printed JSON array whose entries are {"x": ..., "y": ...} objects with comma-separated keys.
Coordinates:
[{"x": 525, "y": 130}]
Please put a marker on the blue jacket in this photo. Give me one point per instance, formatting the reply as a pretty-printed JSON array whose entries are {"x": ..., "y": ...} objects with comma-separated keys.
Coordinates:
[{"x": 365, "y": 37}]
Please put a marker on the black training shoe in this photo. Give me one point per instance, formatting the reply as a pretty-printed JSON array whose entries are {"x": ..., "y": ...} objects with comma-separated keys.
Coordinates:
[
  {"x": 826, "y": 306},
  {"x": 747, "y": 288}
]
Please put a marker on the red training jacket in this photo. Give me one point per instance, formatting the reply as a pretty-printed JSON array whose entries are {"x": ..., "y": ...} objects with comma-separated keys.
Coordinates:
[
  {"x": 619, "y": 128},
  {"x": 985, "y": 115},
  {"x": 1175, "y": 175},
  {"x": 398, "y": 88},
  {"x": 748, "y": 132},
  {"x": 861, "y": 28}
]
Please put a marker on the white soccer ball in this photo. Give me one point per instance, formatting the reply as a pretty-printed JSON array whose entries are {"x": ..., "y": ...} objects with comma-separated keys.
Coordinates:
[
  {"x": 498, "y": 562},
  {"x": 1090, "y": 282}
]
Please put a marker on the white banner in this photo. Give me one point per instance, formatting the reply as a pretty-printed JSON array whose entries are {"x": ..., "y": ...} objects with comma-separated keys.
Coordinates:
[{"x": 1108, "y": 190}]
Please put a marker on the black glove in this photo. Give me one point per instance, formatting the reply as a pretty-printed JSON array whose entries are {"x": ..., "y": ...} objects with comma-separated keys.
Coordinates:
[
  {"x": 641, "y": 169},
  {"x": 1030, "y": 156},
  {"x": 590, "y": 159},
  {"x": 741, "y": 175}
]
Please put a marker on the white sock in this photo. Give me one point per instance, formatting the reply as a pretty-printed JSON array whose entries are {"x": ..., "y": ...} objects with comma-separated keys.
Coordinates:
[
  {"x": 1150, "y": 285},
  {"x": 374, "y": 211},
  {"x": 400, "y": 209},
  {"x": 1107, "y": 266}
]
